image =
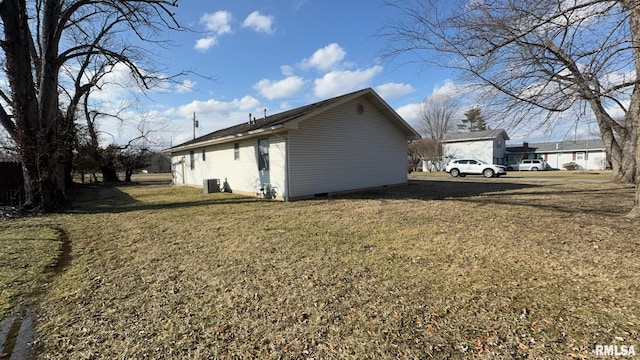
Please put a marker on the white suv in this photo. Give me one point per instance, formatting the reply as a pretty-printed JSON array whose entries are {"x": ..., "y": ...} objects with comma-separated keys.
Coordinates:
[
  {"x": 531, "y": 165},
  {"x": 462, "y": 167}
]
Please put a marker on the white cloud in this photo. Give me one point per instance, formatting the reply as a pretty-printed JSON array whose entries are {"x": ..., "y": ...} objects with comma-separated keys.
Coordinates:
[
  {"x": 450, "y": 88},
  {"x": 299, "y": 4},
  {"x": 205, "y": 43},
  {"x": 212, "y": 115},
  {"x": 325, "y": 58},
  {"x": 259, "y": 23},
  {"x": 343, "y": 81},
  {"x": 279, "y": 89},
  {"x": 409, "y": 113},
  {"x": 118, "y": 84},
  {"x": 287, "y": 70},
  {"x": 217, "y": 107},
  {"x": 217, "y": 23},
  {"x": 185, "y": 86},
  {"x": 394, "y": 90}
]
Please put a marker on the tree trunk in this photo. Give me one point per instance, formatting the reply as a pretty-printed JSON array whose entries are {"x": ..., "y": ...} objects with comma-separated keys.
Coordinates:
[
  {"x": 128, "y": 174},
  {"x": 34, "y": 103},
  {"x": 109, "y": 174},
  {"x": 633, "y": 115},
  {"x": 25, "y": 107}
]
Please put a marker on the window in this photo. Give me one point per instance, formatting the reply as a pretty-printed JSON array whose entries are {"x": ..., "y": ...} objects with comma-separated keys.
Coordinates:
[
  {"x": 204, "y": 155},
  {"x": 580, "y": 156},
  {"x": 192, "y": 159},
  {"x": 263, "y": 154},
  {"x": 236, "y": 151}
]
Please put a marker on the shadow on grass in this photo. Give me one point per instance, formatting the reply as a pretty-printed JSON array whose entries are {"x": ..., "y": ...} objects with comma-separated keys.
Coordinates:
[
  {"x": 602, "y": 201},
  {"x": 93, "y": 199},
  {"x": 438, "y": 190},
  {"x": 553, "y": 196}
]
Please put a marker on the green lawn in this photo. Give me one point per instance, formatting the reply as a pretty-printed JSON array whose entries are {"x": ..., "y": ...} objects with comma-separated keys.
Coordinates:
[{"x": 445, "y": 269}]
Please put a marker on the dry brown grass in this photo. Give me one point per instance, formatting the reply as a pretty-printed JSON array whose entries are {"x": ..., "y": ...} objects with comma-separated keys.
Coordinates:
[
  {"x": 468, "y": 268},
  {"x": 29, "y": 250}
]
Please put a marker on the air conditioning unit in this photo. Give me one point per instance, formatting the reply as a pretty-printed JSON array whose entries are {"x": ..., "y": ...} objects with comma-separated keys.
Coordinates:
[{"x": 211, "y": 186}]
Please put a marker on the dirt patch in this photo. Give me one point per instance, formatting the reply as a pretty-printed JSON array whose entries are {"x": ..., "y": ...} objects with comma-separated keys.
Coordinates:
[
  {"x": 18, "y": 333},
  {"x": 60, "y": 263}
]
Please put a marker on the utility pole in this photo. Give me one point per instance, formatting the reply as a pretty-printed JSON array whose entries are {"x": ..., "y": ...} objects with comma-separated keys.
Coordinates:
[{"x": 195, "y": 124}]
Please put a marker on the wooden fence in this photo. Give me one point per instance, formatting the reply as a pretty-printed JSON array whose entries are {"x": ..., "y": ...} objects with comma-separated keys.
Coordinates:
[{"x": 11, "y": 184}]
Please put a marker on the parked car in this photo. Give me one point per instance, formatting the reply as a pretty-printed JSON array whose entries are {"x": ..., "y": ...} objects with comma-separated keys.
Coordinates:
[
  {"x": 531, "y": 165},
  {"x": 511, "y": 166},
  {"x": 463, "y": 167}
]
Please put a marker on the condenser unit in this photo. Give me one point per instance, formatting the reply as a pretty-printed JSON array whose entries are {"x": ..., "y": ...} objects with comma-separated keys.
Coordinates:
[{"x": 211, "y": 186}]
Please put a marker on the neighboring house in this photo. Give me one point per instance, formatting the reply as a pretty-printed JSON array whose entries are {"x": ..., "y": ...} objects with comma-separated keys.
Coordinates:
[
  {"x": 586, "y": 154},
  {"x": 486, "y": 145},
  {"x": 350, "y": 142}
]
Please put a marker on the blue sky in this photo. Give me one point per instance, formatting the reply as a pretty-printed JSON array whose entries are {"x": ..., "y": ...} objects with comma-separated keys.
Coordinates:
[{"x": 277, "y": 55}]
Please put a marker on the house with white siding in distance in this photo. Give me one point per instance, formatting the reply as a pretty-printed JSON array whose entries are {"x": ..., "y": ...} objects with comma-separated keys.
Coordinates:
[
  {"x": 347, "y": 143},
  {"x": 585, "y": 154},
  {"x": 486, "y": 145}
]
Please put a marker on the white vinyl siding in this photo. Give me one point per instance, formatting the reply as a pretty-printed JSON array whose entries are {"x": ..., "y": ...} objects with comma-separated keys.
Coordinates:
[
  {"x": 491, "y": 150},
  {"x": 241, "y": 173},
  {"x": 595, "y": 161},
  {"x": 481, "y": 150},
  {"x": 339, "y": 150}
]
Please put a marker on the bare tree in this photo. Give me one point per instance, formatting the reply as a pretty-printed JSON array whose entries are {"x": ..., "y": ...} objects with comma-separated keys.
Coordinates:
[
  {"x": 428, "y": 150},
  {"x": 38, "y": 38},
  {"x": 538, "y": 59},
  {"x": 436, "y": 113}
]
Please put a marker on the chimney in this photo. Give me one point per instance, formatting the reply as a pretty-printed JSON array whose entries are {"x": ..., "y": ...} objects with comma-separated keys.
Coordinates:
[
  {"x": 265, "y": 113},
  {"x": 249, "y": 118},
  {"x": 525, "y": 150}
]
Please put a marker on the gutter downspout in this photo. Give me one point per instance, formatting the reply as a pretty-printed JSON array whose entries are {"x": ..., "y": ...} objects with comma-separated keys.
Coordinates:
[{"x": 287, "y": 168}]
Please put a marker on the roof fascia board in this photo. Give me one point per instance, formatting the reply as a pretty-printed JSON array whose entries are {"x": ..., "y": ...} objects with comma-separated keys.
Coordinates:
[{"x": 468, "y": 140}]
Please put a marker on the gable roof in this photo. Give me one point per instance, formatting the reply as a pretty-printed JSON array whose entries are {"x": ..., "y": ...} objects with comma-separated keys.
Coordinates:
[
  {"x": 482, "y": 135},
  {"x": 560, "y": 146},
  {"x": 289, "y": 120}
]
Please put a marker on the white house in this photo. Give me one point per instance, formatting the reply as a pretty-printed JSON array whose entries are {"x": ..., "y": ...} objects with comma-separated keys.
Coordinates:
[
  {"x": 487, "y": 145},
  {"x": 350, "y": 142},
  {"x": 586, "y": 154}
]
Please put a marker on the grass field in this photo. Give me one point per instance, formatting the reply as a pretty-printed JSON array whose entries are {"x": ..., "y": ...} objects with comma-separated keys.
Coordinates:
[
  {"x": 470, "y": 268},
  {"x": 579, "y": 175},
  {"x": 29, "y": 251}
]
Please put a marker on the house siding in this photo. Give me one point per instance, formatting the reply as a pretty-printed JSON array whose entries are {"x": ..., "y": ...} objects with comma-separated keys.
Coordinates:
[
  {"x": 481, "y": 150},
  {"x": 339, "y": 150},
  {"x": 242, "y": 175},
  {"x": 596, "y": 159}
]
